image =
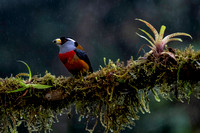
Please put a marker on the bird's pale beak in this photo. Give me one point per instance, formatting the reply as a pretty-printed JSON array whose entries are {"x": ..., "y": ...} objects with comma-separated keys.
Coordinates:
[{"x": 57, "y": 41}]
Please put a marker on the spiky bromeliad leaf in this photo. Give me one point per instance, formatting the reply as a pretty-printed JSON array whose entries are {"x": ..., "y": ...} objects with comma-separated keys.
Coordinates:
[
  {"x": 175, "y": 39},
  {"x": 152, "y": 39},
  {"x": 155, "y": 32},
  {"x": 26, "y": 86},
  {"x": 168, "y": 37},
  {"x": 152, "y": 44},
  {"x": 161, "y": 34},
  {"x": 29, "y": 70},
  {"x": 39, "y": 86},
  {"x": 23, "y": 87},
  {"x": 17, "y": 90}
]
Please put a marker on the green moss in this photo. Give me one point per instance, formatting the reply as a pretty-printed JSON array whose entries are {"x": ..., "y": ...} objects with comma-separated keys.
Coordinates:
[{"x": 114, "y": 95}]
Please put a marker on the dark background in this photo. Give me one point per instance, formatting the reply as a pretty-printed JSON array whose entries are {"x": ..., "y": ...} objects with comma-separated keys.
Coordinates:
[{"x": 105, "y": 28}]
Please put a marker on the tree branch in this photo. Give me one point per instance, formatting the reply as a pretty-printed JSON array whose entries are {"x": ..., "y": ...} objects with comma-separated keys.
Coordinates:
[{"x": 115, "y": 94}]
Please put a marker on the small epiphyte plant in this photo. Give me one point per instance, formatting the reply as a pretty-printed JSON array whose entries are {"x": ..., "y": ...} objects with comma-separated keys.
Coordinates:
[
  {"x": 27, "y": 84},
  {"x": 158, "y": 43}
]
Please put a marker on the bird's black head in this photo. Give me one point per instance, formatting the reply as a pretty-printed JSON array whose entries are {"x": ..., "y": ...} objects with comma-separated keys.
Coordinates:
[{"x": 63, "y": 40}]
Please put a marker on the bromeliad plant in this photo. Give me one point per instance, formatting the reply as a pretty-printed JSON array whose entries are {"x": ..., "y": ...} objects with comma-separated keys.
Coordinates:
[
  {"x": 25, "y": 85},
  {"x": 158, "y": 43}
]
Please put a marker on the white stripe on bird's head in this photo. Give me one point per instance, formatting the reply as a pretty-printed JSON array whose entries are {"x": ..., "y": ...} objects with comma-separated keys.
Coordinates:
[{"x": 69, "y": 39}]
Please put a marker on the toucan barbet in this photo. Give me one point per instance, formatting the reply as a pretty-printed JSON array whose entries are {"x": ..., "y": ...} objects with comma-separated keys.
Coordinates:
[{"x": 73, "y": 56}]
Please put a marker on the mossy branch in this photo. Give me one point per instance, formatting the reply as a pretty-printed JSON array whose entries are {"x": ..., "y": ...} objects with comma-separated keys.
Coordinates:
[{"x": 114, "y": 95}]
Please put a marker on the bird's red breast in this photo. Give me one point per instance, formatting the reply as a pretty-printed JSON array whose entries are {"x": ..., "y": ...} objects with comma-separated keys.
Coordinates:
[{"x": 73, "y": 63}]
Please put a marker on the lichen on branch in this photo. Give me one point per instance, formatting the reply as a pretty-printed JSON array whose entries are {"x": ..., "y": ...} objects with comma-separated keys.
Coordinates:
[{"x": 114, "y": 95}]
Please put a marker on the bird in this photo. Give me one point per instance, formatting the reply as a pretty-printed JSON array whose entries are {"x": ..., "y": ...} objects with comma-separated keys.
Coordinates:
[{"x": 73, "y": 56}]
